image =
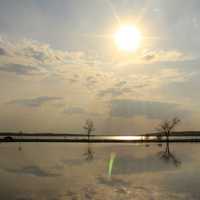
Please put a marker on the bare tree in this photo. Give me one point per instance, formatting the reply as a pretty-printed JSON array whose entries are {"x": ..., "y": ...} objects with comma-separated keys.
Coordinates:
[
  {"x": 89, "y": 127},
  {"x": 166, "y": 128}
]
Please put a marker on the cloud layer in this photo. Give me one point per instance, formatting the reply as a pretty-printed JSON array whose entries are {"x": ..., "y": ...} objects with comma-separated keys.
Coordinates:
[
  {"x": 34, "y": 102},
  {"x": 82, "y": 85},
  {"x": 151, "y": 109}
]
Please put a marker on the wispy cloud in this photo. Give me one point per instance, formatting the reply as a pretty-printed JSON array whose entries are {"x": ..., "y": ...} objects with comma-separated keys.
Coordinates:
[
  {"x": 165, "y": 56},
  {"x": 35, "y": 102},
  {"x": 2, "y": 52},
  {"x": 99, "y": 81},
  {"x": 19, "y": 69},
  {"x": 127, "y": 108},
  {"x": 74, "y": 110},
  {"x": 114, "y": 92}
]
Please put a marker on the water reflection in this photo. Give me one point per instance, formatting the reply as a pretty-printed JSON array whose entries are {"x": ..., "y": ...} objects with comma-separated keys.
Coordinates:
[
  {"x": 133, "y": 163},
  {"x": 89, "y": 154},
  {"x": 20, "y": 145},
  {"x": 168, "y": 156},
  {"x": 166, "y": 128},
  {"x": 89, "y": 127},
  {"x": 132, "y": 170}
]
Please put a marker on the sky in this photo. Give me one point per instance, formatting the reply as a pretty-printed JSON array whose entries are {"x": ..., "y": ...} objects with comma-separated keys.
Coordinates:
[{"x": 59, "y": 65}]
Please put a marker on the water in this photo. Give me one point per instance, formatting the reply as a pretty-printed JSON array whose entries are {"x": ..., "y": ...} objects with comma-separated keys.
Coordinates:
[{"x": 67, "y": 171}]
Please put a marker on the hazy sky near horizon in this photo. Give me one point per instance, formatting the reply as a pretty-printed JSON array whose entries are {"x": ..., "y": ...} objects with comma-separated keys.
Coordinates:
[{"x": 59, "y": 65}]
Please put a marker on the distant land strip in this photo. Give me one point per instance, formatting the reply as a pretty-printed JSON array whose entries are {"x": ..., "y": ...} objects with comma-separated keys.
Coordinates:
[
  {"x": 21, "y": 133},
  {"x": 187, "y": 136}
]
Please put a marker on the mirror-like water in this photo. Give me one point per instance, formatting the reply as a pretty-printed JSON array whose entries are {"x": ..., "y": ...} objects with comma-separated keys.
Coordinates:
[{"x": 99, "y": 171}]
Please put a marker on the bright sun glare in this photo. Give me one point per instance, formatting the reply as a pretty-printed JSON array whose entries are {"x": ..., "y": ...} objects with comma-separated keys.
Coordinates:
[{"x": 127, "y": 38}]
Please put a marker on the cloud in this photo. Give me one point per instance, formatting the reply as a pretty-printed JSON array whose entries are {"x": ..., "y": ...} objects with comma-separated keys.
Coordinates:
[
  {"x": 73, "y": 80},
  {"x": 19, "y": 69},
  {"x": 41, "y": 52},
  {"x": 2, "y": 52},
  {"x": 118, "y": 89},
  {"x": 35, "y": 102},
  {"x": 130, "y": 108},
  {"x": 74, "y": 110},
  {"x": 91, "y": 81},
  {"x": 165, "y": 56},
  {"x": 114, "y": 92},
  {"x": 32, "y": 171},
  {"x": 70, "y": 71},
  {"x": 140, "y": 83},
  {"x": 121, "y": 83},
  {"x": 26, "y": 53}
]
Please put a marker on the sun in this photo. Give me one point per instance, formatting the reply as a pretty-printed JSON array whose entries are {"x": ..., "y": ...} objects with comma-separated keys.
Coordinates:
[{"x": 127, "y": 38}]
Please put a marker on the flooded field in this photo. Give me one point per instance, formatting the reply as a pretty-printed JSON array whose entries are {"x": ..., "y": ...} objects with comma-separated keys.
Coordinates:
[{"x": 99, "y": 171}]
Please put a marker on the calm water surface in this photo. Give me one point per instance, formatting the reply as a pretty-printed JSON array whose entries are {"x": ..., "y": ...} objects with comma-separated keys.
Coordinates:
[{"x": 99, "y": 171}]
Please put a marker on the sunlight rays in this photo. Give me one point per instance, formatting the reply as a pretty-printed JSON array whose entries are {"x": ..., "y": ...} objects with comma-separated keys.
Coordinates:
[{"x": 127, "y": 38}]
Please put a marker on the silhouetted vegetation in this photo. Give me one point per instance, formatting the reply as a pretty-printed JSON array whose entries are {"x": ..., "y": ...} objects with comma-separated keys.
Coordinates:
[
  {"x": 168, "y": 156},
  {"x": 89, "y": 127},
  {"x": 166, "y": 128},
  {"x": 89, "y": 154}
]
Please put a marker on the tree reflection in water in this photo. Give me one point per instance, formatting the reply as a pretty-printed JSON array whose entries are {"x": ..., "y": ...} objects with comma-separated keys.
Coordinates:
[
  {"x": 89, "y": 154},
  {"x": 168, "y": 156},
  {"x": 166, "y": 128},
  {"x": 20, "y": 146},
  {"x": 89, "y": 127}
]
